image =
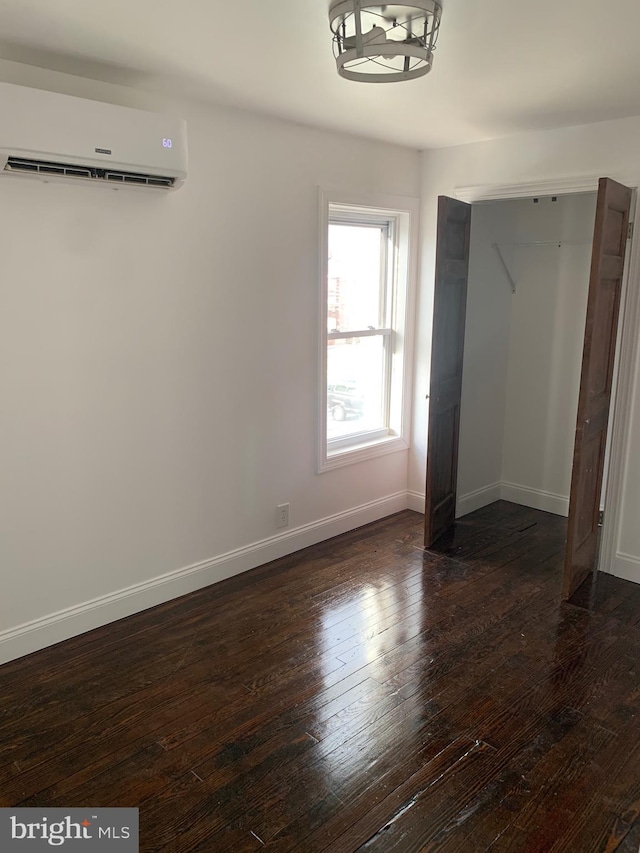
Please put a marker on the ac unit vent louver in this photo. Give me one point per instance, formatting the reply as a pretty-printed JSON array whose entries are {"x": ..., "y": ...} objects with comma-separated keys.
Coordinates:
[{"x": 44, "y": 167}]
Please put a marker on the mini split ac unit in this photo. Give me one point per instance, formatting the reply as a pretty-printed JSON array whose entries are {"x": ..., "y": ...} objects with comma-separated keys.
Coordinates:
[{"x": 50, "y": 136}]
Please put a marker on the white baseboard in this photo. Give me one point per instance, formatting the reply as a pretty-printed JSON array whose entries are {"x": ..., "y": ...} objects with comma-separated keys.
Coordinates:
[
  {"x": 415, "y": 501},
  {"x": 627, "y": 567},
  {"x": 40, "y": 633},
  {"x": 477, "y": 499},
  {"x": 465, "y": 504},
  {"x": 535, "y": 498}
]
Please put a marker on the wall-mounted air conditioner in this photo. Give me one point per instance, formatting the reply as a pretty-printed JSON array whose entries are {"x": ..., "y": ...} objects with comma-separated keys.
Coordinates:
[{"x": 50, "y": 136}]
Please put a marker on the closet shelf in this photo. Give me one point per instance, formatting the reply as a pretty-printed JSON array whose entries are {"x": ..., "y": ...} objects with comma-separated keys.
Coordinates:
[
  {"x": 557, "y": 243},
  {"x": 505, "y": 267}
]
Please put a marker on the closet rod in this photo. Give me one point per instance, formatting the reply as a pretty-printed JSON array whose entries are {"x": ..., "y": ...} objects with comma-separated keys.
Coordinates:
[{"x": 557, "y": 243}]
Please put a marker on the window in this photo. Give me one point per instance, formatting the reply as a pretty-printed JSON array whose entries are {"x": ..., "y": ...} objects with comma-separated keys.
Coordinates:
[{"x": 364, "y": 361}]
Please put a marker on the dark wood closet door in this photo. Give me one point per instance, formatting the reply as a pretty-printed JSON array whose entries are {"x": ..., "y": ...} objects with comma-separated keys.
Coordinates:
[
  {"x": 603, "y": 308},
  {"x": 450, "y": 304}
]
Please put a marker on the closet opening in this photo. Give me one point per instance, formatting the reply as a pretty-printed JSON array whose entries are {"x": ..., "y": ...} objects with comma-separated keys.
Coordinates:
[
  {"x": 512, "y": 409},
  {"x": 527, "y": 293}
]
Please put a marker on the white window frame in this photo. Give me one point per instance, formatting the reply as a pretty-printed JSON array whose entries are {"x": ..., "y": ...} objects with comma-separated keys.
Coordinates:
[{"x": 402, "y": 213}]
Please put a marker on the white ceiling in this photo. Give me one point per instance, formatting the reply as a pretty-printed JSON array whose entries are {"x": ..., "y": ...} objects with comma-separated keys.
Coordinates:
[{"x": 501, "y": 66}]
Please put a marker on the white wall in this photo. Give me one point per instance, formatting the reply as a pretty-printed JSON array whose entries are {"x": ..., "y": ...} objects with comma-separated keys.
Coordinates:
[
  {"x": 158, "y": 371},
  {"x": 486, "y": 345},
  {"x": 609, "y": 148},
  {"x": 545, "y": 348}
]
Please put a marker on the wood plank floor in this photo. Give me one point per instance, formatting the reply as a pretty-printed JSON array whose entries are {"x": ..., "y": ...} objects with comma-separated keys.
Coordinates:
[{"x": 361, "y": 695}]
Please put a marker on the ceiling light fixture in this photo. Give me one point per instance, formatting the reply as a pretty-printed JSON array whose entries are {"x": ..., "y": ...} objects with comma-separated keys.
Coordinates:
[{"x": 382, "y": 43}]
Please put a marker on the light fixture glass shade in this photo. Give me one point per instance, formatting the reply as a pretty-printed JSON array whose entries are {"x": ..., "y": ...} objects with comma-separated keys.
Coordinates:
[{"x": 384, "y": 42}]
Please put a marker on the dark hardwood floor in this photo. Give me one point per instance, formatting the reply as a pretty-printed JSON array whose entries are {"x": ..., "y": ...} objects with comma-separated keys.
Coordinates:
[{"x": 361, "y": 695}]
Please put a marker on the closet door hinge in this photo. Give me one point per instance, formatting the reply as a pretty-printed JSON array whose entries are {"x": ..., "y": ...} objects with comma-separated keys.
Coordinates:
[{"x": 630, "y": 232}]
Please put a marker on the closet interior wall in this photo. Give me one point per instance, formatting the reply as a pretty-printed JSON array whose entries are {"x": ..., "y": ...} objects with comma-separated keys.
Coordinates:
[{"x": 523, "y": 350}]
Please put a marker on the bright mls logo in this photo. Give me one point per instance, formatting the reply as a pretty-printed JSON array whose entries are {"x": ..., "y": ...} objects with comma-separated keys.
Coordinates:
[{"x": 105, "y": 830}]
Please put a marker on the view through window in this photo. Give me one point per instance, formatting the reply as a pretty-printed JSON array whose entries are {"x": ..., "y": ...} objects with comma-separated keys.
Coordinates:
[
  {"x": 368, "y": 266},
  {"x": 359, "y": 293}
]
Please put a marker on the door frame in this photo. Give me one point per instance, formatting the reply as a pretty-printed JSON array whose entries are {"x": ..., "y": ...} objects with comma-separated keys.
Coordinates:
[{"x": 628, "y": 343}]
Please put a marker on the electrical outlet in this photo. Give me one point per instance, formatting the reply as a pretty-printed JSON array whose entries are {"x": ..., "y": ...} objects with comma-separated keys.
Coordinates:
[{"x": 282, "y": 515}]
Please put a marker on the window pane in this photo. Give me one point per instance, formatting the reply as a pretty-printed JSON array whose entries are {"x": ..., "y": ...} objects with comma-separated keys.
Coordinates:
[
  {"x": 355, "y": 386},
  {"x": 354, "y": 297}
]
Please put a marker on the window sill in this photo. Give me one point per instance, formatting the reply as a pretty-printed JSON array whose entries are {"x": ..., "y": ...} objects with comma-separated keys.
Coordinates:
[{"x": 353, "y": 453}]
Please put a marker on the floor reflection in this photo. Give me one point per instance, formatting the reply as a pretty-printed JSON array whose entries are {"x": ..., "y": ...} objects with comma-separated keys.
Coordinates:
[{"x": 374, "y": 620}]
